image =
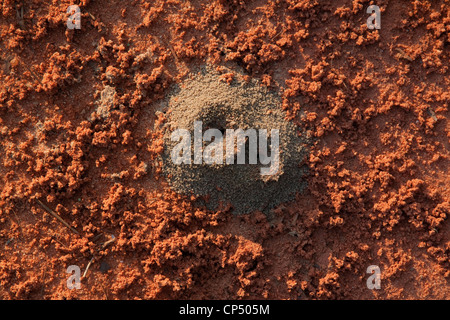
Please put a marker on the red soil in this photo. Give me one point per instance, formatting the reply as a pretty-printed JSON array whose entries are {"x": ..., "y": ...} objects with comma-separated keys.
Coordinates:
[{"x": 377, "y": 103}]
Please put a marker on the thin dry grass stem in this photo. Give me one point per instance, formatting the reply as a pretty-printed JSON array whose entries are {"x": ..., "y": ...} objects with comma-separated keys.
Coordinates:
[
  {"x": 54, "y": 214},
  {"x": 104, "y": 245}
]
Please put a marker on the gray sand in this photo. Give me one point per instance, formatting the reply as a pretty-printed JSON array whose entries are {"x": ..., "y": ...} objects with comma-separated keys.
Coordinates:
[{"x": 204, "y": 97}]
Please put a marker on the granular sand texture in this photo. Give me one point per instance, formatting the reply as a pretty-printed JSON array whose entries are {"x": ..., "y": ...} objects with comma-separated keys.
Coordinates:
[{"x": 239, "y": 105}]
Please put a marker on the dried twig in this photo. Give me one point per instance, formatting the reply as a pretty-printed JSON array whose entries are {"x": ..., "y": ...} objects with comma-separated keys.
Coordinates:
[
  {"x": 19, "y": 16},
  {"x": 43, "y": 282},
  {"x": 278, "y": 34},
  {"x": 403, "y": 55},
  {"x": 172, "y": 50},
  {"x": 97, "y": 237},
  {"x": 54, "y": 214},
  {"x": 104, "y": 245},
  {"x": 180, "y": 65},
  {"x": 87, "y": 267}
]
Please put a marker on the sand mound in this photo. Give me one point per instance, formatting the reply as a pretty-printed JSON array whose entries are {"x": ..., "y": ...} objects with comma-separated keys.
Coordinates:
[{"x": 242, "y": 105}]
